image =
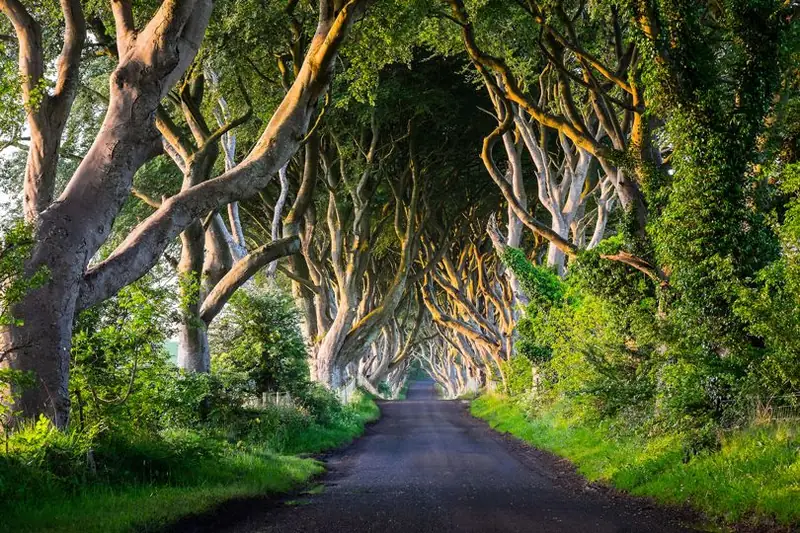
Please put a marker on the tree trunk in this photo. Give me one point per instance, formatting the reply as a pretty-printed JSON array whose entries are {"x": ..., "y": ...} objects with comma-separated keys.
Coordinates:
[
  {"x": 600, "y": 223},
  {"x": 41, "y": 344},
  {"x": 193, "y": 351},
  {"x": 328, "y": 369},
  {"x": 555, "y": 256},
  {"x": 515, "y": 225}
]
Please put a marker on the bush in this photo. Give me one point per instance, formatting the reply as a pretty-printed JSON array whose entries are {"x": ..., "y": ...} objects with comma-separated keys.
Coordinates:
[
  {"x": 771, "y": 310},
  {"x": 320, "y": 402},
  {"x": 600, "y": 340},
  {"x": 519, "y": 375},
  {"x": 119, "y": 367},
  {"x": 259, "y": 336}
]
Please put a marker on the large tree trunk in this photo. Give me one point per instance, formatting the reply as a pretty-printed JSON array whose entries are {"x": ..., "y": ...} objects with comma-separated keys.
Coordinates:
[
  {"x": 193, "y": 350},
  {"x": 67, "y": 236},
  {"x": 41, "y": 345},
  {"x": 298, "y": 266},
  {"x": 70, "y": 231},
  {"x": 327, "y": 367}
]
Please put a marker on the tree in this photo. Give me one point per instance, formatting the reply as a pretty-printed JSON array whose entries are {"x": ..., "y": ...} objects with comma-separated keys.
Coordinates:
[{"x": 69, "y": 231}]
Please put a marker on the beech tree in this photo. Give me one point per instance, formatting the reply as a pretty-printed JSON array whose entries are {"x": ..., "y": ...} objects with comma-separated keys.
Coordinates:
[
  {"x": 348, "y": 319},
  {"x": 652, "y": 151},
  {"x": 153, "y": 56},
  {"x": 505, "y": 88},
  {"x": 391, "y": 353},
  {"x": 381, "y": 203}
]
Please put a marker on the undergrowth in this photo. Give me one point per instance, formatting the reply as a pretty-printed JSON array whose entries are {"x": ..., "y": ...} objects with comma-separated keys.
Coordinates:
[{"x": 107, "y": 482}]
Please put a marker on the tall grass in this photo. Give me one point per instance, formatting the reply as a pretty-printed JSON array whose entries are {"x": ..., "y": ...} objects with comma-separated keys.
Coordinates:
[
  {"x": 753, "y": 477},
  {"x": 62, "y": 482}
]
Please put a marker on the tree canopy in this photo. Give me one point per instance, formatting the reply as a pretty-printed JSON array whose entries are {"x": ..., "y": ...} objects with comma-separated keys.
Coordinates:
[{"x": 599, "y": 196}]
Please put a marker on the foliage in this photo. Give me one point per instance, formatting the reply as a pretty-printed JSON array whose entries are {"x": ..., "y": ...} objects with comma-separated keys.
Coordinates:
[
  {"x": 771, "y": 310},
  {"x": 385, "y": 389},
  {"x": 259, "y": 336},
  {"x": 150, "y": 484},
  {"x": 16, "y": 244},
  {"x": 605, "y": 347},
  {"x": 518, "y": 372},
  {"x": 545, "y": 291},
  {"x": 144, "y": 427},
  {"x": 119, "y": 364},
  {"x": 111, "y": 480},
  {"x": 669, "y": 360},
  {"x": 541, "y": 286},
  {"x": 258, "y": 347}
]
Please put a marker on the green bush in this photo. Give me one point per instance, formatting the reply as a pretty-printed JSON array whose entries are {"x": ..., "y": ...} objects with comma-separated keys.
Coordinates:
[
  {"x": 119, "y": 367},
  {"x": 771, "y": 310},
  {"x": 259, "y": 335},
  {"x": 519, "y": 375},
  {"x": 320, "y": 402},
  {"x": 108, "y": 479}
]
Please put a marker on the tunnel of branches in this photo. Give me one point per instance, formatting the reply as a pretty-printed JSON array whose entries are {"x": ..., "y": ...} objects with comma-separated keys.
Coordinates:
[{"x": 493, "y": 192}]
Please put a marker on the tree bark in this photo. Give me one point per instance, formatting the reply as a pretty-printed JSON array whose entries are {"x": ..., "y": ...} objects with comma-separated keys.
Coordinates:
[
  {"x": 46, "y": 113},
  {"x": 242, "y": 271},
  {"x": 193, "y": 353}
]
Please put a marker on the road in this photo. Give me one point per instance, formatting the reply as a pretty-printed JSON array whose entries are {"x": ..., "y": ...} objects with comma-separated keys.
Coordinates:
[{"x": 427, "y": 466}]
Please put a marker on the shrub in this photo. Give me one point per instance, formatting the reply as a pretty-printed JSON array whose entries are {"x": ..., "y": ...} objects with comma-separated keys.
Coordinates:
[
  {"x": 320, "y": 402},
  {"x": 260, "y": 337},
  {"x": 119, "y": 367},
  {"x": 519, "y": 375}
]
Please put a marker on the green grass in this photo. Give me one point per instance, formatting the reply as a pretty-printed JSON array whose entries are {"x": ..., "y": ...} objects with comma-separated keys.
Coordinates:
[
  {"x": 240, "y": 471},
  {"x": 754, "y": 477},
  {"x": 149, "y": 507},
  {"x": 315, "y": 438}
]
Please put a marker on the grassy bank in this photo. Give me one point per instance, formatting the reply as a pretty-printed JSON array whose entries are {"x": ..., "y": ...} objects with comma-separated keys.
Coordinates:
[
  {"x": 192, "y": 474},
  {"x": 753, "y": 477}
]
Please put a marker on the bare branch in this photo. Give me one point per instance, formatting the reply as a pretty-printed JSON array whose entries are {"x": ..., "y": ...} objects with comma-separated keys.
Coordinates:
[
  {"x": 244, "y": 270},
  {"x": 123, "y": 19},
  {"x": 152, "y": 202}
]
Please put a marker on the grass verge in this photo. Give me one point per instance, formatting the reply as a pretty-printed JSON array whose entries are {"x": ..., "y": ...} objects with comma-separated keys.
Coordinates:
[
  {"x": 754, "y": 477},
  {"x": 239, "y": 471}
]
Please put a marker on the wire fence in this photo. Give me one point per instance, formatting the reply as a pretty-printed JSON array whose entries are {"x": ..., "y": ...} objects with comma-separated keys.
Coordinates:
[
  {"x": 271, "y": 398},
  {"x": 284, "y": 399},
  {"x": 762, "y": 410},
  {"x": 345, "y": 394}
]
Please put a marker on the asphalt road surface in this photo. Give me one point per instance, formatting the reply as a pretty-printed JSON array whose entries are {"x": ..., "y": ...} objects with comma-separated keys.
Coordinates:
[{"x": 428, "y": 466}]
